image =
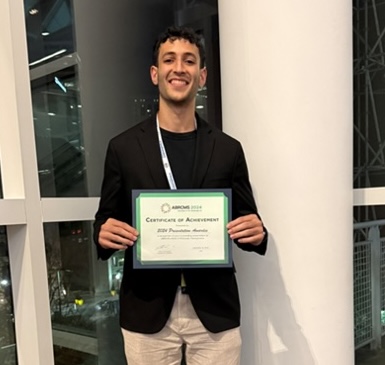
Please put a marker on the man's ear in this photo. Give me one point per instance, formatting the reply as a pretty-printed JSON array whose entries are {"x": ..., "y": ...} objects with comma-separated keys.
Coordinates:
[
  {"x": 154, "y": 74},
  {"x": 202, "y": 77}
]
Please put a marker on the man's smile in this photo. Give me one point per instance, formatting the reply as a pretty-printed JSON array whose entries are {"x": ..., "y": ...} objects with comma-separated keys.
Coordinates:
[{"x": 178, "y": 82}]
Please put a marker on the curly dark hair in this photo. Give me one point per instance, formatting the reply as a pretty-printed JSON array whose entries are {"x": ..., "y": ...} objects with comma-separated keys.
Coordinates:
[{"x": 172, "y": 33}]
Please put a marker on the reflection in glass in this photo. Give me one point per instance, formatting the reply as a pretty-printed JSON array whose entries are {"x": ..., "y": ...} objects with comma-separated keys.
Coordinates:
[
  {"x": 369, "y": 91},
  {"x": 369, "y": 284},
  {"x": 83, "y": 297},
  {"x": 7, "y": 327},
  {"x": 58, "y": 134},
  {"x": 49, "y": 30},
  {"x": 103, "y": 86}
]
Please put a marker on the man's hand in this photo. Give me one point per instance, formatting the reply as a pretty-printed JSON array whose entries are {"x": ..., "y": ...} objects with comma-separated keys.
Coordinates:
[
  {"x": 246, "y": 229},
  {"x": 117, "y": 235}
]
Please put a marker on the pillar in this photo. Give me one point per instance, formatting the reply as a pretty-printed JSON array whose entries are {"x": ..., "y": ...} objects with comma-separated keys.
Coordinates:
[{"x": 287, "y": 96}]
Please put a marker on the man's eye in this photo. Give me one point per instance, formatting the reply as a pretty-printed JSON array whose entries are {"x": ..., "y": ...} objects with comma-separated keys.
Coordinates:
[
  {"x": 190, "y": 62},
  {"x": 168, "y": 60}
]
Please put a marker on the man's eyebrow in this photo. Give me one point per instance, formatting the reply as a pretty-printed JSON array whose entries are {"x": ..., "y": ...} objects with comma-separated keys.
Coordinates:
[
  {"x": 168, "y": 54},
  {"x": 188, "y": 54}
]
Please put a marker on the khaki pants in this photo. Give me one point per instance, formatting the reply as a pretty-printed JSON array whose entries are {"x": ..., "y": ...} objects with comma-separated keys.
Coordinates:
[{"x": 183, "y": 326}]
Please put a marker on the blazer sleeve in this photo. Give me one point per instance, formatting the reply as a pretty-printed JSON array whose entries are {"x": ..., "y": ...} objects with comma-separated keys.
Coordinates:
[
  {"x": 243, "y": 200},
  {"x": 109, "y": 198}
]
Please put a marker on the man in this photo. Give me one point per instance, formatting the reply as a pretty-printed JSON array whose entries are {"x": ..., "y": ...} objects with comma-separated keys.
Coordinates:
[{"x": 156, "y": 316}]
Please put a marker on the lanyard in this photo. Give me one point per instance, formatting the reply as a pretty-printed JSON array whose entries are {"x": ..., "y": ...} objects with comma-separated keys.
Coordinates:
[
  {"x": 163, "y": 153},
  {"x": 166, "y": 164}
]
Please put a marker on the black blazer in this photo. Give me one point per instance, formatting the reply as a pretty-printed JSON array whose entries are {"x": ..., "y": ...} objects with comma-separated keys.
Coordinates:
[{"x": 133, "y": 161}]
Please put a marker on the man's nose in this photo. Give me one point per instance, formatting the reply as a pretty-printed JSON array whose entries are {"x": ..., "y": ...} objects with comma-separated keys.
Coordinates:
[{"x": 179, "y": 66}]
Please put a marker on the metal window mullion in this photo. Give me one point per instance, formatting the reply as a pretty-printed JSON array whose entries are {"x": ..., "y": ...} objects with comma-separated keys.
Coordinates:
[
  {"x": 20, "y": 178},
  {"x": 68, "y": 209},
  {"x": 369, "y": 197},
  {"x": 12, "y": 211},
  {"x": 374, "y": 237}
]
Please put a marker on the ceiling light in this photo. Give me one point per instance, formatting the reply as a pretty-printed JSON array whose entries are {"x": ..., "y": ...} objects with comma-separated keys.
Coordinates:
[
  {"x": 60, "y": 84},
  {"x": 48, "y": 57}
]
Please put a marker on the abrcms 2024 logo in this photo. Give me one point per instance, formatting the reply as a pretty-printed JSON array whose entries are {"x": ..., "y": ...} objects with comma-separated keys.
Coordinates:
[{"x": 166, "y": 208}]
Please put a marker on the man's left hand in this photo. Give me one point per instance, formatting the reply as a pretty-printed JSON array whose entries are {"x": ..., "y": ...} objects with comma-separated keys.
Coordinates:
[{"x": 246, "y": 229}]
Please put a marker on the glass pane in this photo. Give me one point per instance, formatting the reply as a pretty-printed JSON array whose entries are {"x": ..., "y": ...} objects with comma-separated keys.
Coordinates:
[
  {"x": 49, "y": 30},
  {"x": 369, "y": 284},
  {"x": 83, "y": 296},
  {"x": 369, "y": 91},
  {"x": 7, "y": 328},
  {"x": 58, "y": 134},
  {"x": 106, "y": 89}
]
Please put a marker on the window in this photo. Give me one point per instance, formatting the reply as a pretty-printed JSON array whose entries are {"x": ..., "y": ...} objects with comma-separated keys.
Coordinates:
[
  {"x": 369, "y": 90},
  {"x": 59, "y": 134},
  {"x": 369, "y": 172},
  {"x": 83, "y": 296},
  {"x": 89, "y": 71},
  {"x": 7, "y": 328},
  {"x": 83, "y": 98}
]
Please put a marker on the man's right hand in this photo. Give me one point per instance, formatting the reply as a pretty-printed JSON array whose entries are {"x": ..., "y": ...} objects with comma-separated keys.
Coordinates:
[{"x": 117, "y": 235}]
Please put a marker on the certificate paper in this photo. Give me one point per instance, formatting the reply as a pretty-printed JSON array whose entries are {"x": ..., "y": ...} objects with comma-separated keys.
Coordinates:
[{"x": 182, "y": 228}]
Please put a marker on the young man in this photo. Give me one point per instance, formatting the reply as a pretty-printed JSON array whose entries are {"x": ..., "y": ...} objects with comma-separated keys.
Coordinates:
[{"x": 155, "y": 315}]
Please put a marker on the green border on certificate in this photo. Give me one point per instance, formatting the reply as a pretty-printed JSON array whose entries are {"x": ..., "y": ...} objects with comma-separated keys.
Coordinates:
[{"x": 182, "y": 228}]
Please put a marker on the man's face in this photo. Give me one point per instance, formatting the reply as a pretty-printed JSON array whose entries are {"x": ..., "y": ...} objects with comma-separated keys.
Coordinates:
[{"x": 178, "y": 74}]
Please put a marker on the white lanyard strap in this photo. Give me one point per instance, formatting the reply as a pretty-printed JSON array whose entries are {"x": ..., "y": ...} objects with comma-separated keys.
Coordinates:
[{"x": 166, "y": 164}]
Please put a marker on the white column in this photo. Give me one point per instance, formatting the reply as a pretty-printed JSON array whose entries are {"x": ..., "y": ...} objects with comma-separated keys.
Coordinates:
[{"x": 287, "y": 96}]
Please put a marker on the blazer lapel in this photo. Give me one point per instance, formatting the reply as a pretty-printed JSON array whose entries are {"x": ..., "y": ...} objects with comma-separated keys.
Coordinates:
[
  {"x": 204, "y": 150},
  {"x": 148, "y": 140}
]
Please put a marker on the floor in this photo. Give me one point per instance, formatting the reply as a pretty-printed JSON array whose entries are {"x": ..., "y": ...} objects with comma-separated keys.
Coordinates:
[
  {"x": 64, "y": 356},
  {"x": 371, "y": 360},
  {"x": 365, "y": 356}
]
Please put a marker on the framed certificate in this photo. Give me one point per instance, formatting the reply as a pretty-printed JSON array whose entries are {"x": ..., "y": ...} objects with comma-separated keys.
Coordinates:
[{"x": 182, "y": 228}]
